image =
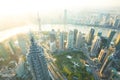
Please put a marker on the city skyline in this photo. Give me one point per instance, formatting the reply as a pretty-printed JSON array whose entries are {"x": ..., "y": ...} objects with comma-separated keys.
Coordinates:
[{"x": 60, "y": 40}]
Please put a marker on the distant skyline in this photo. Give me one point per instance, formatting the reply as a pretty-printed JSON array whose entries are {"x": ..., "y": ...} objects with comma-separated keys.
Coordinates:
[
  {"x": 21, "y": 12},
  {"x": 16, "y": 7}
]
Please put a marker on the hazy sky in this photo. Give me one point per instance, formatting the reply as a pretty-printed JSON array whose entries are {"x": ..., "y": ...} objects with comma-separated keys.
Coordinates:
[{"x": 8, "y": 7}]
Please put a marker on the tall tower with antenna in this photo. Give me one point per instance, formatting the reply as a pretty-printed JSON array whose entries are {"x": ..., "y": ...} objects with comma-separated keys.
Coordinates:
[
  {"x": 65, "y": 19},
  {"x": 39, "y": 24}
]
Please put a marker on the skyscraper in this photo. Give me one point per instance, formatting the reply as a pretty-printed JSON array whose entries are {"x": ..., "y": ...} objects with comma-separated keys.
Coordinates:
[
  {"x": 104, "y": 41},
  {"x": 61, "y": 41},
  {"x": 95, "y": 48},
  {"x": 106, "y": 66},
  {"x": 75, "y": 35},
  {"x": 37, "y": 62},
  {"x": 70, "y": 40},
  {"x": 12, "y": 46},
  {"x": 65, "y": 19},
  {"x": 116, "y": 60},
  {"x": 111, "y": 48},
  {"x": 107, "y": 17},
  {"x": 99, "y": 34},
  {"x": 52, "y": 35},
  {"x": 117, "y": 42},
  {"x": 90, "y": 36},
  {"x": 23, "y": 44},
  {"x": 53, "y": 47},
  {"x": 110, "y": 37},
  {"x": 79, "y": 41},
  {"x": 102, "y": 55},
  {"x": 3, "y": 52},
  {"x": 112, "y": 62},
  {"x": 22, "y": 71},
  {"x": 116, "y": 24},
  {"x": 39, "y": 24}
]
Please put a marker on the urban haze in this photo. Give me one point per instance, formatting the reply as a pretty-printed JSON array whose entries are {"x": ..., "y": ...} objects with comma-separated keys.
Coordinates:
[{"x": 59, "y": 40}]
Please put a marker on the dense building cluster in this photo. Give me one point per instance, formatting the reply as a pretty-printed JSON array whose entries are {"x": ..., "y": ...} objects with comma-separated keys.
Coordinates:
[{"x": 105, "y": 49}]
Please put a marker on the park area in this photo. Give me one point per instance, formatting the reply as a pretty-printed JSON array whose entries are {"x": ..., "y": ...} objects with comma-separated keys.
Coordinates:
[{"x": 71, "y": 64}]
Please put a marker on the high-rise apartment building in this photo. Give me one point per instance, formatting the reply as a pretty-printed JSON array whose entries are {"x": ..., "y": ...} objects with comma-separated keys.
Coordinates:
[
  {"x": 61, "y": 41},
  {"x": 95, "y": 48},
  {"x": 102, "y": 55},
  {"x": 52, "y": 35},
  {"x": 110, "y": 37},
  {"x": 70, "y": 40},
  {"x": 79, "y": 41},
  {"x": 90, "y": 36},
  {"x": 75, "y": 35},
  {"x": 117, "y": 42}
]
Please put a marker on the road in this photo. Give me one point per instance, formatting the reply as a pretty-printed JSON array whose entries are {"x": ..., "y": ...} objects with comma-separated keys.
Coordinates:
[{"x": 52, "y": 67}]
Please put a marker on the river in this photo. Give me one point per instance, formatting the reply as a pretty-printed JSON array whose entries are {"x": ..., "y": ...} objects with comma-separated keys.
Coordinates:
[{"x": 48, "y": 27}]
